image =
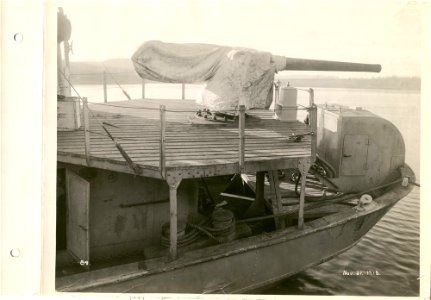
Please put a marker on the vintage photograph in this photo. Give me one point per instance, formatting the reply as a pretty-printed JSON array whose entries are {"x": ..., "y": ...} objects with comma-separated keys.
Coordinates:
[{"x": 238, "y": 147}]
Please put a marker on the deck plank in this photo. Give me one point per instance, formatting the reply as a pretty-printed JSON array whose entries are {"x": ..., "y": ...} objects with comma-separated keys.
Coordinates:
[{"x": 135, "y": 125}]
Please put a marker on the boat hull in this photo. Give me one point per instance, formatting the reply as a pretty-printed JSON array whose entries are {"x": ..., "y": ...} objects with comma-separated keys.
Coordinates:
[
  {"x": 256, "y": 268},
  {"x": 243, "y": 265}
]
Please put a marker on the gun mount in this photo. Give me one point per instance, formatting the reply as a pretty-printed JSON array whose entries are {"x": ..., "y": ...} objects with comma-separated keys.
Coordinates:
[{"x": 234, "y": 76}]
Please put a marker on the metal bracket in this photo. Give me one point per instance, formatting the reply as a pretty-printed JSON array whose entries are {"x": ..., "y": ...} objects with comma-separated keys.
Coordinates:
[
  {"x": 298, "y": 137},
  {"x": 173, "y": 181},
  {"x": 304, "y": 165},
  {"x": 406, "y": 176}
]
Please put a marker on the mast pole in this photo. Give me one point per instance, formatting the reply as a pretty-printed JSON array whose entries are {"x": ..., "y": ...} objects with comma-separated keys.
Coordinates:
[{"x": 67, "y": 91}]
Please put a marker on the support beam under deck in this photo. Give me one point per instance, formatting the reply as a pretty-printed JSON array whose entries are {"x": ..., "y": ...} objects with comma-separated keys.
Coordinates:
[
  {"x": 173, "y": 183},
  {"x": 257, "y": 208},
  {"x": 277, "y": 207},
  {"x": 303, "y": 166}
]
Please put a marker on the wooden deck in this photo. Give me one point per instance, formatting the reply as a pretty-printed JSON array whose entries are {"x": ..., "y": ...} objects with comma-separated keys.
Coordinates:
[{"x": 193, "y": 147}]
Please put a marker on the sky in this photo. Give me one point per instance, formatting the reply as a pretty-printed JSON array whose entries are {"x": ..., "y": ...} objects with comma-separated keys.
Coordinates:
[{"x": 384, "y": 32}]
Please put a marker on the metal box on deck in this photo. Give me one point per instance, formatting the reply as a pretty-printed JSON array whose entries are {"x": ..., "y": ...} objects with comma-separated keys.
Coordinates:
[
  {"x": 68, "y": 114},
  {"x": 363, "y": 149}
]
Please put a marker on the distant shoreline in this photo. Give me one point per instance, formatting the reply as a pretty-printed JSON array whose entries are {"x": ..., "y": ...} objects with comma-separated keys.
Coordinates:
[
  {"x": 387, "y": 83},
  {"x": 406, "y": 85},
  {"x": 122, "y": 72}
]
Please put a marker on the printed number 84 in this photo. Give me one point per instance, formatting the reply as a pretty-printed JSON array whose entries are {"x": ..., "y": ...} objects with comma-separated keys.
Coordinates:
[{"x": 83, "y": 262}]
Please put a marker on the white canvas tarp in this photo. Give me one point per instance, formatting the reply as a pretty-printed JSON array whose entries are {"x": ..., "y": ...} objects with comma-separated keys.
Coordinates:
[{"x": 233, "y": 76}]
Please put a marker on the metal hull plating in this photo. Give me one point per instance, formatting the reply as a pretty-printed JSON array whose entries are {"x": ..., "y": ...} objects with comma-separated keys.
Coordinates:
[{"x": 244, "y": 265}]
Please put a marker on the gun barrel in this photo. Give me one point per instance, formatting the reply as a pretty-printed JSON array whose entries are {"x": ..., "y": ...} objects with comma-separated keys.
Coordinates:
[{"x": 298, "y": 64}]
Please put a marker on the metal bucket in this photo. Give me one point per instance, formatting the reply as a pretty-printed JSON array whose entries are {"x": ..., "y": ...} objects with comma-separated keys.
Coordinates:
[{"x": 285, "y": 108}]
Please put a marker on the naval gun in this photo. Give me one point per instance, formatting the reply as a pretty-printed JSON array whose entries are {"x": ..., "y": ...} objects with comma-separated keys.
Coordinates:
[
  {"x": 299, "y": 64},
  {"x": 357, "y": 149},
  {"x": 234, "y": 76}
]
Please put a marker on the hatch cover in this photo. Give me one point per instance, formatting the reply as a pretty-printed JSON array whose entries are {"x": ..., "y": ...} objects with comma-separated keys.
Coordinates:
[{"x": 355, "y": 155}]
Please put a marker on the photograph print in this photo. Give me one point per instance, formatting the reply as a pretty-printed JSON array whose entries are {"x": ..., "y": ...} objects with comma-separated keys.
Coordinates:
[{"x": 238, "y": 147}]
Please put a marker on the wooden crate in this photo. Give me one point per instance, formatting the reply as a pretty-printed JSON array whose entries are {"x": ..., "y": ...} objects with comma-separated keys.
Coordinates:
[{"x": 68, "y": 114}]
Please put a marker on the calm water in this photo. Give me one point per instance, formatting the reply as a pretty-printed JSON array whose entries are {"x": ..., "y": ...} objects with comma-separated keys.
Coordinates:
[{"x": 391, "y": 248}]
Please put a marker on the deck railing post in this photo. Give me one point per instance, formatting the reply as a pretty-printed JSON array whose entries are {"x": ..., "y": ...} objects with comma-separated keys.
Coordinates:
[
  {"x": 313, "y": 124},
  {"x": 86, "y": 130},
  {"x": 183, "y": 91},
  {"x": 143, "y": 88},
  {"x": 311, "y": 99},
  {"x": 162, "y": 140},
  {"x": 276, "y": 93},
  {"x": 105, "y": 90},
  {"x": 241, "y": 133}
]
